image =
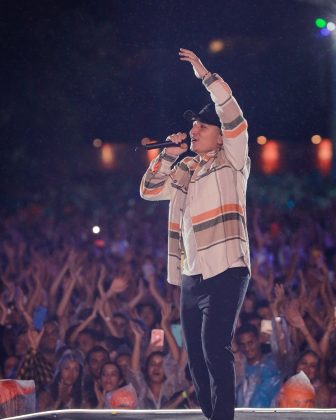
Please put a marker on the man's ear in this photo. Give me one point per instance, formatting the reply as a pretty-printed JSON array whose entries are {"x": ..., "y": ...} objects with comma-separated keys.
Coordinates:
[{"x": 220, "y": 139}]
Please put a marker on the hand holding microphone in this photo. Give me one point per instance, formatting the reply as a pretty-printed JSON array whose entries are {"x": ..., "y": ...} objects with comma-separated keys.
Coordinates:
[
  {"x": 177, "y": 144},
  {"x": 179, "y": 139}
]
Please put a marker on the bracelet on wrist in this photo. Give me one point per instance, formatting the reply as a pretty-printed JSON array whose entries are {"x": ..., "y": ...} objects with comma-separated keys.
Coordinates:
[{"x": 205, "y": 75}]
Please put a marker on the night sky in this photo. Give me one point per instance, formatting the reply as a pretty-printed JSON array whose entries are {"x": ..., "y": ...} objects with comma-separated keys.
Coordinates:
[{"x": 76, "y": 70}]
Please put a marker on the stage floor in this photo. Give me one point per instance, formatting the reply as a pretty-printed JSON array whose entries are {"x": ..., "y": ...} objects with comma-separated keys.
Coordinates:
[{"x": 241, "y": 414}]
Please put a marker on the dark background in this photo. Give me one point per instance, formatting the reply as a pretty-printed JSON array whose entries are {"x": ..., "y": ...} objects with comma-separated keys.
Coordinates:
[{"x": 76, "y": 70}]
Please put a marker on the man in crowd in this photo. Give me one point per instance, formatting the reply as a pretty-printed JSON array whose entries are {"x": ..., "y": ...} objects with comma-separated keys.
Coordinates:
[{"x": 262, "y": 380}]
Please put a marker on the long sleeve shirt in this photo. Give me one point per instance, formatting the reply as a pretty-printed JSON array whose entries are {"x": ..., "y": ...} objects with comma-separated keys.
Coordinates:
[{"x": 217, "y": 203}]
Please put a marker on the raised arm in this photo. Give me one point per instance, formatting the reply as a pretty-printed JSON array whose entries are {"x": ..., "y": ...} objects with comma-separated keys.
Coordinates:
[
  {"x": 166, "y": 313},
  {"x": 234, "y": 125},
  {"x": 295, "y": 319},
  {"x": 136, "y": 353}
]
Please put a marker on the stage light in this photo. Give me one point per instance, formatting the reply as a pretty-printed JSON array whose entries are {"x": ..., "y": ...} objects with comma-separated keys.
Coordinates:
[
  {"x": 325, "y": 32},
  {"x": 324, "y": 156},
  {"x": 320, "y": 23},
  {"x": 216, "y": 46},
  {"x": 331, "y": 26},
  {"x": 270, "y": 157},
  {"x": 96, "y": 230},
  {"x": 108, "y": 156},
  {"x": 97, "y": 143},
  {"x": 261, "y": 140},
  {"x": 100, "y": 243},
  {"x": 316, "y": 139}
]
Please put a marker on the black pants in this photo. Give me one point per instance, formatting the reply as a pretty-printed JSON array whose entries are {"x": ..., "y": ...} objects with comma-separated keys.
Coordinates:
[{"x": 209, "y": 311}]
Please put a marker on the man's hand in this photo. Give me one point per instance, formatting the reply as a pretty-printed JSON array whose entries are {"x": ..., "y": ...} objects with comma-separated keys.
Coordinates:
[
  {"x": 178, "y": 139},
  {"x": 198, "y": 67}
]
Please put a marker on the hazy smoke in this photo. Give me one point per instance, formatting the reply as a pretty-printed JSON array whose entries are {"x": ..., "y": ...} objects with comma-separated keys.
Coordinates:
[{"x": 328, "y": 6}]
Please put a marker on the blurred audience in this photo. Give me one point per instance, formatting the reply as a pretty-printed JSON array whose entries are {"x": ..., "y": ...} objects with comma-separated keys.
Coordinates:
[{"x": 77, "y": 308}]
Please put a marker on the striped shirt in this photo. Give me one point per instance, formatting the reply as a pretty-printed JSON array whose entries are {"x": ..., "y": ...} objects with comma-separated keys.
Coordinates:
[{"x": 218, "y": 183}]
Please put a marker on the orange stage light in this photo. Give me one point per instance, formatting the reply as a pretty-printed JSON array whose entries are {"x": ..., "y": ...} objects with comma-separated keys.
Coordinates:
[
  {"x": 270, "y": 157},
  {"x": 324, "y": 156},
  {"x": 108, "y": 156}
]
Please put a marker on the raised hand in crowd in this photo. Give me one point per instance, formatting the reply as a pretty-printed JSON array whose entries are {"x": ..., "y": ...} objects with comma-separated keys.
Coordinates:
[
  {"x": 295, "y": 319},
  {"x": 136, "y": 352}
]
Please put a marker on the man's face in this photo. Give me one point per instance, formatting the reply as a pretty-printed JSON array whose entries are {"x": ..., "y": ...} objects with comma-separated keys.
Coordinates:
[
  {"x": 124, "y": 362},
  {"x": 50, "y": 337},
  {"x": 249, "y": 346},
  {"x": 85, "y": 342},
  {"x": 96, "y": 361},
  {"x": 148, "y": 316},
  {"x": 204, "y": 138},
  {"x": 120, "y": 324}
]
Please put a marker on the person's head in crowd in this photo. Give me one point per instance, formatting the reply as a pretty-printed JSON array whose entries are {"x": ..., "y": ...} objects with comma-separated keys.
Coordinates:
[
  {"x": 10, "y": 366},
  {"x": 315, "y": 256},
  {"x": 50, "y": 337},
  {"x": 309, "y": 363},
  {"x": 98, "y": 326},
  {"x": 69, "y": 373},
  {"x": 86, "y": 340},
  {"x": 251, "y": 318},
  {"x": 96, "y": 357},
  {"x": 247, "y": 337},
  {"x": 120, "y": 322},
  {"x": 263, "y": 309},
  {"x": 297, "y": 392},
  {"x": 123, "y": 360},
  {"x": 14, "y": 316},
  {"x": 154, "y": 370},
  {"x": 21, "y": 344},
  {"x": 111, "y": 377},
  {"x": 148, "y": 314},
  {"x": 249, "y": 304}
]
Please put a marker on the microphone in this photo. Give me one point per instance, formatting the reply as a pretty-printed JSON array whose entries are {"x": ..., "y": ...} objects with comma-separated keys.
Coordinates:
[{"x": 148, "y": 143}]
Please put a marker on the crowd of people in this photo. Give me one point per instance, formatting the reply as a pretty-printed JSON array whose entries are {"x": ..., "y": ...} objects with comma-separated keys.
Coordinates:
[{"x": 91, "y": 319}]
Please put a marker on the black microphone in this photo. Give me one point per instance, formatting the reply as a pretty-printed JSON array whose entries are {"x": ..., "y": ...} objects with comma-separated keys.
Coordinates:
[{"x": 148, "y": 144}]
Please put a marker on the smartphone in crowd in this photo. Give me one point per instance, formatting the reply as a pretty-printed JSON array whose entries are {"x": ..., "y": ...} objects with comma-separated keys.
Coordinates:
[
  {"x": 39, "y": 316},
  {"x": 177, "y": 333},
  {"x": 266, "y": 326},
  {"x": 157, "y": 337}
]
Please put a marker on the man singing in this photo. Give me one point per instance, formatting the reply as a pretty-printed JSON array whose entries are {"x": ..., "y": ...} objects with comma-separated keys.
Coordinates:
[{"x": 208, "y": 250}]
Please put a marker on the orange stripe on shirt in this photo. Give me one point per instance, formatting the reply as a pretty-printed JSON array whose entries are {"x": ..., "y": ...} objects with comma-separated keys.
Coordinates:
[
  {"x": 210, "y": 214},
  {"x": 174, "y": 226},
  {"x": 156, "y": 167},
  {"x": 150, "y": 191},
  {"x": 234, "y": 133}
]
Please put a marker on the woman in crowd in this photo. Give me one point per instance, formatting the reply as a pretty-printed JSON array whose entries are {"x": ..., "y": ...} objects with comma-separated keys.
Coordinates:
[
  {"x": 65, "y": 390},
  {"x": 310, "y": 363},
  {"x": 110, "y": 379}
]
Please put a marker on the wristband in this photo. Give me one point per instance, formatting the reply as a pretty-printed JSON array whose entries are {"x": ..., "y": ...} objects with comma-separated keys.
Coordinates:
[{"x": 206, "y": 74}]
